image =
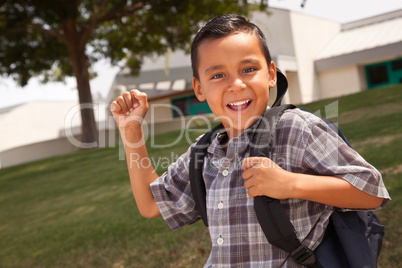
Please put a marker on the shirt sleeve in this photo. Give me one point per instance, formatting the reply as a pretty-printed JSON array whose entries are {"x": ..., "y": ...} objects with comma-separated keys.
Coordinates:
[
  {"x": 173, "y": 196},
  {"x": 325, "y": 153}
]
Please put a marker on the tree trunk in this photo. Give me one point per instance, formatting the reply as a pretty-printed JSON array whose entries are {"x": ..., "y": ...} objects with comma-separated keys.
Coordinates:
[
  {"x": 76, "y": 50},
  {"x": 88, "y": 127}
]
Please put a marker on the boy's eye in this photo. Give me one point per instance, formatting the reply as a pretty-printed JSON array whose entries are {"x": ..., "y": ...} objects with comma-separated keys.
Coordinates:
[
  {"x": 249, "y": 70},
  {"x": 216, "y": 76}
]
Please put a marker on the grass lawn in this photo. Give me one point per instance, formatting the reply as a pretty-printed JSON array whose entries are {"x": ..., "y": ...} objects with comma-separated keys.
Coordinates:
[{"x": 78, "y": 211}]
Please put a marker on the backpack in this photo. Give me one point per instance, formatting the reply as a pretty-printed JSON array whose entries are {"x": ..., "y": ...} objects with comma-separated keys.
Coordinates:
[{"x": 352, "y": 239}]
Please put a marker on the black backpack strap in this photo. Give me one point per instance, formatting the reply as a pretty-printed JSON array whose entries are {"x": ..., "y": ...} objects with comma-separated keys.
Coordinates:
[
  {"x": 195, "y": 171},
  {"x": 264, "y": 136},
  {"x": 281, "y": 87},
  {"x": 269, "y": 211},
  {"x": 280, "y": 232}
]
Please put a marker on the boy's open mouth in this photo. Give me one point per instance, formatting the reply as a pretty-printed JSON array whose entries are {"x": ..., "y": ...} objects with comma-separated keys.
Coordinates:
[{"x": 239, "y": 105}]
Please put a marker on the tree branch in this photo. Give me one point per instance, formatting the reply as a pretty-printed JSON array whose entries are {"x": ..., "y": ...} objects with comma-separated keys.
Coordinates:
[
  {"x": 50, "y": 32},
  {"x": 103, "y": 6},
  {"x": 120, "y": 11},
  {"x": 116, "y": 13}
]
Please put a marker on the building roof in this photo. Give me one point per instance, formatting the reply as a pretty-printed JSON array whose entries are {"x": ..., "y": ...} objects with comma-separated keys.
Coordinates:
[
  {"x": 158, "y": 83},
  {"x": 159, "y": 77},
  {"x": 380, "y": 33},
  {"x": 170, "y": 75},
  {"x": 357, "y": 42}
]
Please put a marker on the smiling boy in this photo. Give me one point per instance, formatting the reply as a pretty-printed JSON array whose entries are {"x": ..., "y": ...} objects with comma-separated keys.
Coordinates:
[
  {"x": 311, "y": 171},
  {"x": 233, "y": 76}
]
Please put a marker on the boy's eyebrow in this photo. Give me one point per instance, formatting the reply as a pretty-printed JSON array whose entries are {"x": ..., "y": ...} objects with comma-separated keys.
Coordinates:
[
  {"x": 217, "y": 67},
  {"x": 250, "y": 60},
  {"x": 213, "y": 68}
]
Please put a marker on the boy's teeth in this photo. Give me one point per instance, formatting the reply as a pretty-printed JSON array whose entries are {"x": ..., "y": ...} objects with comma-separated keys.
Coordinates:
[{"x": 238, "y": 103}]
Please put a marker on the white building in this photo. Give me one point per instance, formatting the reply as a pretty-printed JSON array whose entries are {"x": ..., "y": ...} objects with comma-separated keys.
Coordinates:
[
  {"x": 42, "y": 129},
  {"x": 321, "y": 59}
]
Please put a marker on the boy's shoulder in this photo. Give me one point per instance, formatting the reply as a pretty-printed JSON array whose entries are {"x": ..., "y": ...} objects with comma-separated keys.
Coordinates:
[
  {"x": 299, "y": 124},
  {"x": 297, "y": 116}
]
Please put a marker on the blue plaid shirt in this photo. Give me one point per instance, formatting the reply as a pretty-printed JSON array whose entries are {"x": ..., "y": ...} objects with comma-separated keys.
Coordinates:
[{"x": 304, "y": 144}]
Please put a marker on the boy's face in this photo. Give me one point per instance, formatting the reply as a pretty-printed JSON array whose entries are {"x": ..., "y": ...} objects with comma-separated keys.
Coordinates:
[{"x": 234, "y": 78}]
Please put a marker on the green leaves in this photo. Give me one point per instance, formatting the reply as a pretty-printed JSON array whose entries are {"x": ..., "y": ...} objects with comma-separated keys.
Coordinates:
[
  {"x": 34, "y": 34},
  {"x": 53, "y": 38}
]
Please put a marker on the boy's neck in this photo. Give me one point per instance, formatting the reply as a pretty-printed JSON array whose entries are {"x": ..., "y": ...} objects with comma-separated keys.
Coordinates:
[
  {"x": 223, "y": 140},
  {"x": 233, "y": 133}
]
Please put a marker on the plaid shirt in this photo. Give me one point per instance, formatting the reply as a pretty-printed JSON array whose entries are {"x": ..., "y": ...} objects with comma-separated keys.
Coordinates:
[{"x": 304, "y": 144}]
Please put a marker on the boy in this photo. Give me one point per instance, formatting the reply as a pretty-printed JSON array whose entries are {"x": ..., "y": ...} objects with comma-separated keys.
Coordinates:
[{"x": 311, "y": 171}]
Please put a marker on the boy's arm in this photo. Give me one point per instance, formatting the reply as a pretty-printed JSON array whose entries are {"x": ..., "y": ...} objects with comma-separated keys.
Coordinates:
[
  {"x": 264, "y": 177},
  {"x": 128, "y": 111},
  {"x": 343, "y": 178}
]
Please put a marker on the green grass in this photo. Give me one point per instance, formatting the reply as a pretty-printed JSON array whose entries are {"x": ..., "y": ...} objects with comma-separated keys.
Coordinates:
[
  {"x": 372, "y": 122},
  {"x": 78, "y": 211}
]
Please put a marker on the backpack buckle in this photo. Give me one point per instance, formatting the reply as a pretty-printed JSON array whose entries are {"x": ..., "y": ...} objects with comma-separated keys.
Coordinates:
[{"x": 303, "y": 256}]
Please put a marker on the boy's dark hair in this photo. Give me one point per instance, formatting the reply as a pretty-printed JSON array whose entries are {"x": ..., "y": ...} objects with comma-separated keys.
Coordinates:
[{"x": 222, "y": 26}]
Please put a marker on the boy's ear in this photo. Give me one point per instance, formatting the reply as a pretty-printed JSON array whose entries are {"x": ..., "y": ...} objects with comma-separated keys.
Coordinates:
[
  {"x": 197, "y": 89},
  {"x": 272, "y": 75}
]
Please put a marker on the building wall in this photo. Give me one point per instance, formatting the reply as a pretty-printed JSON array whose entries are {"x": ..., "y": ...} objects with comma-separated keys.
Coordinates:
[
  {"x": 310, "y": 35},
  {"x": 159, "y": 111},
  {"x": 340, "y": 81},
  {"x": 107, "y": 137},
  {"x": 294, "y": 93},
  {"x": 35, "y": 151},
  {"x": 36, "y": 121},
  {"x": 50, "y": 148},
  {"x": 277, "y": 30}
]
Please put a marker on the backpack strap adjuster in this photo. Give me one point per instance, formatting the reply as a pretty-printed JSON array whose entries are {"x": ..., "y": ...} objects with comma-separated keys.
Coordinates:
[{"x": 304, "y": 256}]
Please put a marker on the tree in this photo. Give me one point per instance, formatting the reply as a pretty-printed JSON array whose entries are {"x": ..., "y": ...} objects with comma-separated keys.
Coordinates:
[{"x": 54, "y": 39}]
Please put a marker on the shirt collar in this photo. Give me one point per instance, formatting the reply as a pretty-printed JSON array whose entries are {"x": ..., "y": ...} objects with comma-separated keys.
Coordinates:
[{"x": 237, "y": 146}]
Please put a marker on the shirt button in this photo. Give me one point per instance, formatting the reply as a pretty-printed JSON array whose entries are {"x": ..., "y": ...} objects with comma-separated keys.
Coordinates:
[
  {"x": 225, "y": 172},
  {"x": 219, "y": 241},
  {"x": 220, "y": 205}
]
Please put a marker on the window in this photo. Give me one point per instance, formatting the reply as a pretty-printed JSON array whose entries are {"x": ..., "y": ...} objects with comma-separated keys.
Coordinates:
[
  {"x": 182, "y": 105},
  {"x": 378, "y": 74},
  {"x": 189, "y": 105},
  {"x": 384, "y": 73},
  {"x": 396, "y": 65}
]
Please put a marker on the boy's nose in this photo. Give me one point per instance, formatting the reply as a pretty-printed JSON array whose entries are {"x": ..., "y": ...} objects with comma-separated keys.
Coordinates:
[{"x": 237, "y": 84}]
